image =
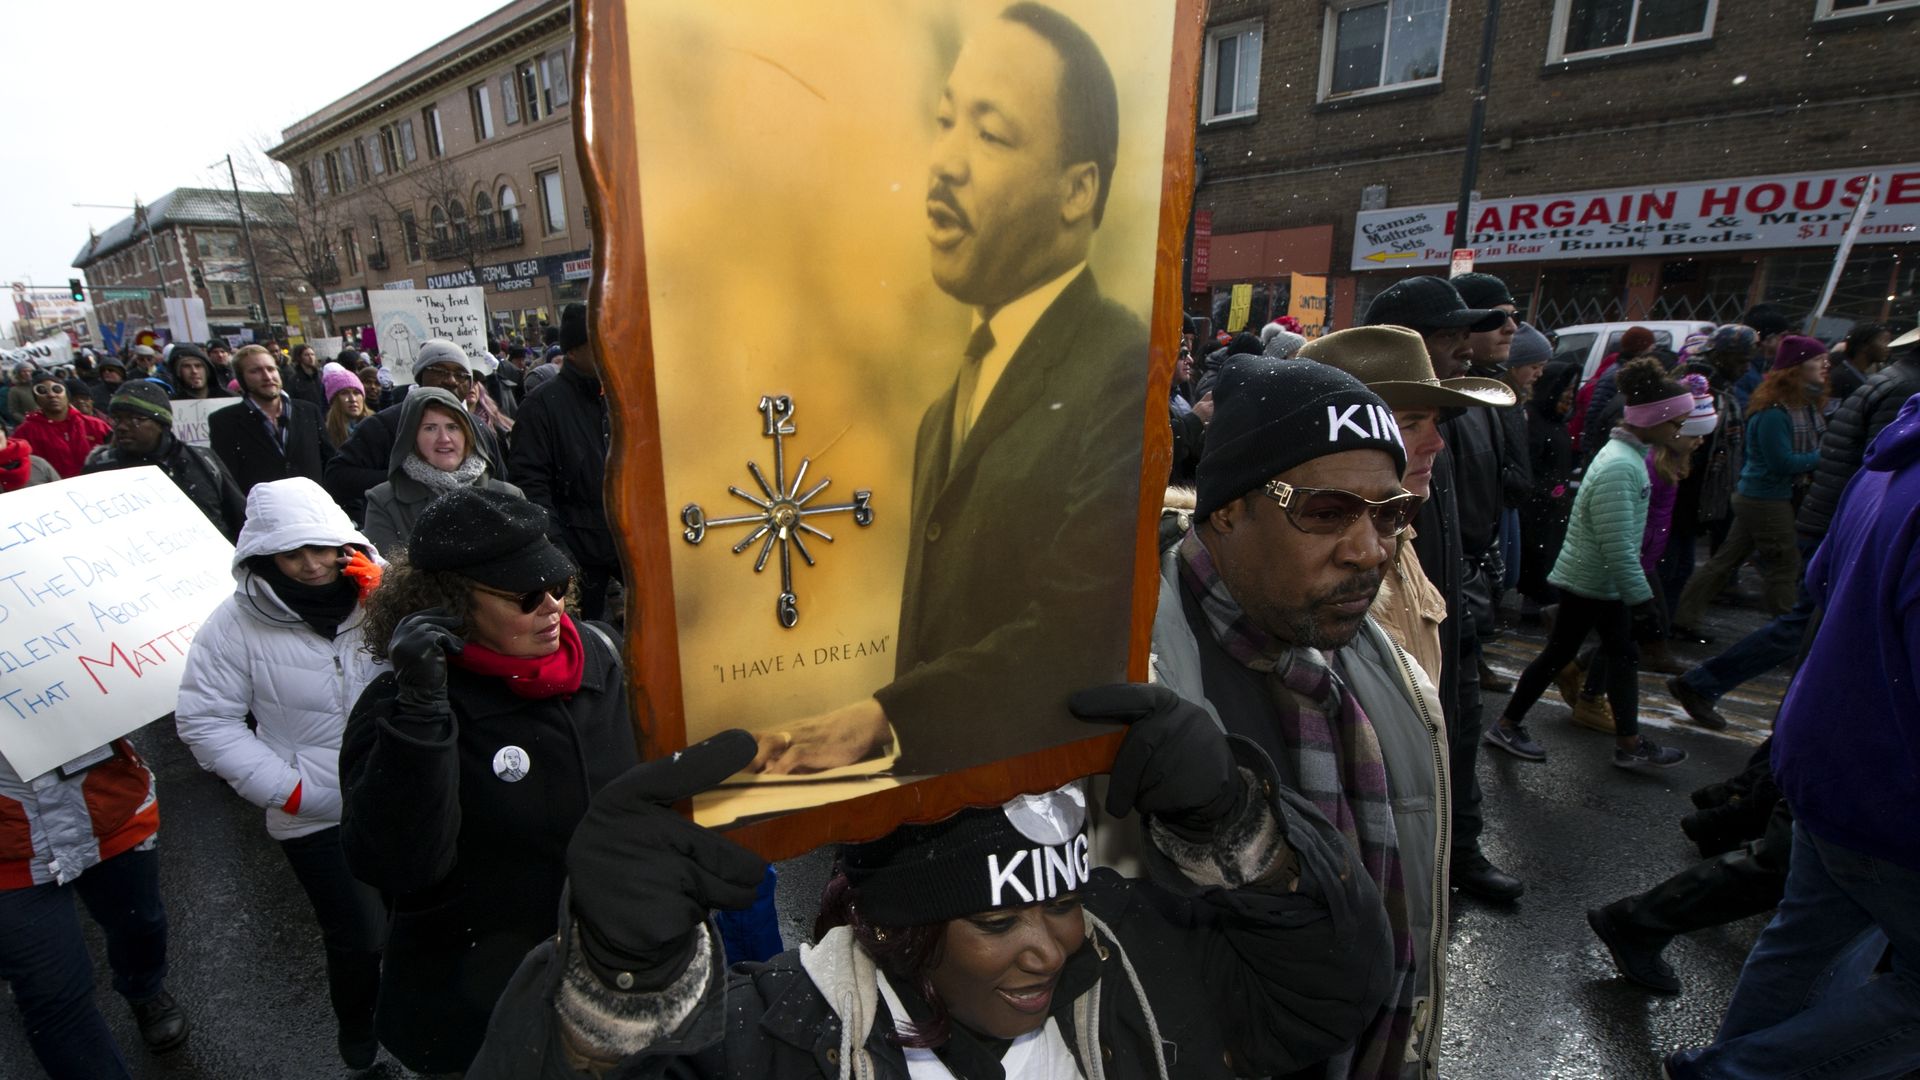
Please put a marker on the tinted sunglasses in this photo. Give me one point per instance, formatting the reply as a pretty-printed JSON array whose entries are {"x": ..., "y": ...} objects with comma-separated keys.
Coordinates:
[
  {"x": 1328, "y": 511},
  {"x": 531, "y": 600}
]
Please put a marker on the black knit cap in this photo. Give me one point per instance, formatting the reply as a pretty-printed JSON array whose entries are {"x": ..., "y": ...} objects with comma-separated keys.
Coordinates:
[
  {"x": 1428, "y": 303},
  {"x": 488, "y": 536},
  {"x": 183, "y": 351},
  {"x": 573, "y": 326},
  {"x": 142, "y": 397},
  {"x": 1481, "y": 290},
  {"x": 1271, "y": 415},
  {"x": 1031, "y": 849},
  {"x": 41, "y": 375}
]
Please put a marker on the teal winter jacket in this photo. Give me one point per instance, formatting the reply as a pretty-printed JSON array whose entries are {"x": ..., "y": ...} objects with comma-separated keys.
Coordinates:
[
  {"x": 1772, "y": 462},
  {"x": 1600, "y": 558}
]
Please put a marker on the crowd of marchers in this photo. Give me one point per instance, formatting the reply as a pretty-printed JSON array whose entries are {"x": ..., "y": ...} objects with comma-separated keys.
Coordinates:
[{"x": 418, "y": 634}]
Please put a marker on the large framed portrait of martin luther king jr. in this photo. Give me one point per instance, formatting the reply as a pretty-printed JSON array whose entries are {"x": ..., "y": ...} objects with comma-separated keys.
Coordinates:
[{"x": 886, "y": 305}]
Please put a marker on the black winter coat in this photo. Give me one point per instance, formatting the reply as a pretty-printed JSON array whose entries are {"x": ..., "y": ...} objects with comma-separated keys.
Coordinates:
[
  {"x": 237, "y": 434},
  {"x": 1858, "y": 420},
  {"x": 560, "y": 440},
  {"x": 304, "y": 387},
  {"x": 363, "y": 460},
  {"x": 1237, "y": 981},
  {"x": 472, "y": 865},
  {"x": 195, "y": 471}
]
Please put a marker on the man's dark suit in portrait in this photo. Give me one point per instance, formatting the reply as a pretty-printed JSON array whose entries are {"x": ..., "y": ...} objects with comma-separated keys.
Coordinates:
[{"x": 1026, "y": 475}]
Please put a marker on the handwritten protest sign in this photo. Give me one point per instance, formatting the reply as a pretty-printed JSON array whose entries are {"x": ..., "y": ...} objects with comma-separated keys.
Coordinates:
[
  {"x": 103, "y": 581},
  {"x": 190, "y": 417},
  {"x": 405, "y": 318}
]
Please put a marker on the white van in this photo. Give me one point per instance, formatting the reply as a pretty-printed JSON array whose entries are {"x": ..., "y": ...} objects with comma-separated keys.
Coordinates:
[{"x": 1589, "y": 343}]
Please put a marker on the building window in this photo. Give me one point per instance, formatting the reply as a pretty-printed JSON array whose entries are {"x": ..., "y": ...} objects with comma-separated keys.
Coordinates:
[
  {"x": 409, "y": 153},
  {"x": 410, "y": 234},
  {"x": 1231, "y": 85},
  {"x": 331, "y": 178},
  {"x": 1583, "y": 28},
  {"x": 482, "y": 113},
  {"x": 457, "y": 218},
  {"x": 553, "y": 201},
  {"x": 213, "y": 245},
  {"x": 1369, "y": 47},
  {"x": 527, "y": 76},
  {"x": 306, "y": 181},
  {"x": 483, "y": 213},
  {"x": 438, "y": 220},
  {"x": 555, "y": 78},
  {"x": 1834, "y": 9},
  {"x": 350, "y": 245},
  {"x": 509, "y": 207},
  {"x": 389, "y": 156},
  {"x": 430, "y": 123},
  {"x": 348, "y": 177}
]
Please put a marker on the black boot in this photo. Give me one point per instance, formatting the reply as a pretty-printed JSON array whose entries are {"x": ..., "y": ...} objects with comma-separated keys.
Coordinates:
[
  {"x": 1637, "y": 956},
  {"x": 1474, "y": 874},
  {"x": 163, "y": 1026}
]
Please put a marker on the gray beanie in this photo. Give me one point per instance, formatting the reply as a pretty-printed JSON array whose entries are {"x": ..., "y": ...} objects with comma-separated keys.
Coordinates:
[
  {"x": 1283, "y": 344},
  {"x": 1530, "y": 346},
  {"x": 439, "y": 351}
]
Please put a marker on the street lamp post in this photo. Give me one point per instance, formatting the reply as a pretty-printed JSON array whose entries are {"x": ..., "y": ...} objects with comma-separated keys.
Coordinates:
[
  {"x": 1476, "y": 125},
  {"x": 259, "y": 289}
]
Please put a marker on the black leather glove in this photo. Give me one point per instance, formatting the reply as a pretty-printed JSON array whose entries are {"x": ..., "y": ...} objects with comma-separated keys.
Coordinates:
[
  {"x": 1649, "y": 622},
  {"x": 418, "y": 651},
  {"x": 644, "y": 878},
  {"x": 1174, "y": 763}
]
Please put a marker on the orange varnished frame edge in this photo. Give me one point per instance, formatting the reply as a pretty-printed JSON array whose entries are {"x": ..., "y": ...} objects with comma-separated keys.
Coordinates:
[{"x": 608, "y": 153}]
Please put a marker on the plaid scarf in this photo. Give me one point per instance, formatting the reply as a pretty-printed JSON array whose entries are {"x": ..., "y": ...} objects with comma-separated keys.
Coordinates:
[{"x": 1337, "y": 759}]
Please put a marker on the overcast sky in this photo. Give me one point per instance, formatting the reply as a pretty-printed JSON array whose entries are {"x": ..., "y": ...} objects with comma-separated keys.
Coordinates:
[{"x": 113, "y": 99}]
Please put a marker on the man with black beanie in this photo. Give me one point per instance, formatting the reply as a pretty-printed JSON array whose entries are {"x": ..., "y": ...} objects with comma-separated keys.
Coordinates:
[
  {"x": 143, "y": 435},
  {"x": 560, "y": 442},
  {"x": 1263, "y": 616}
]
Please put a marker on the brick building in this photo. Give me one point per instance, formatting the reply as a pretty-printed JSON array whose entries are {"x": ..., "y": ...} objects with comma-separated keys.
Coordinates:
[
  {"x": 455, "y": 168},
  {"x": 187, "y": 242},
  {"x": 1333, "y": 136}
]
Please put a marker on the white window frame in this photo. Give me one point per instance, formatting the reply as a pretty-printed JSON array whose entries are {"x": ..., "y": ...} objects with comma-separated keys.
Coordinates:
[
  {"x": 1823, "y": 9},
  {"x": 552, "y": 223},
  {"x": 1563, "y": 9},
  {"x": 480, "y": 103},
  {"x": 1329, "y": 32},
  {"x": 1214, "y": 36}
]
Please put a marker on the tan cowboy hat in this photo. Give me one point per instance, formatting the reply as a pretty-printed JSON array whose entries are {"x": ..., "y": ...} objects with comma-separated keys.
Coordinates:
[
  {"x": 1905, "y": 339},
  {"x": 1392, "y": 361}
]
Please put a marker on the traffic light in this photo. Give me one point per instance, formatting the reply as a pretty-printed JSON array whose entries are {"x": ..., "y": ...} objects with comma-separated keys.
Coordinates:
[
  {"x": 199, "y": 279},
  {"x": 77, "y": 290}
]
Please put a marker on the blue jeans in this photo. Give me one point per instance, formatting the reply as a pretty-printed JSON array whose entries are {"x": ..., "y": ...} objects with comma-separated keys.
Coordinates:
[
  {"x": 1761, "y": 651},
  {"x": 43, "y": 955},
  {"x": 1779, "y": 1025}
]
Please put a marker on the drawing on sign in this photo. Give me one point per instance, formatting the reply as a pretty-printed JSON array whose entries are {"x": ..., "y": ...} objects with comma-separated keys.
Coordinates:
[{"x": 405, "y": 319}]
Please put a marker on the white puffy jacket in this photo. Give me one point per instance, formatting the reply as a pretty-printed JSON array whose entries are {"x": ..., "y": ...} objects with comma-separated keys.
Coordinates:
[{"x": 253, "y": 654}]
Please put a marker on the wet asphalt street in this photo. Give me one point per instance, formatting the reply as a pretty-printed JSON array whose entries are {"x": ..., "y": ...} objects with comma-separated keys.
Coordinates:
[{"x": 1532, "y": 993}]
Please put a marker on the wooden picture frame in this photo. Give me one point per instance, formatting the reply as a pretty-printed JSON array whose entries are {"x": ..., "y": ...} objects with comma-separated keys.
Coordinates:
[{"x": 637, "y": 497}]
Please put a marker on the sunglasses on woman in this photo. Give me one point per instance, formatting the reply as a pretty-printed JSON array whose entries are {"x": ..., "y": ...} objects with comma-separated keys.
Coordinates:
[
  {"x": 531, "y": 600},
  {"x": 1327, "y": 511}
]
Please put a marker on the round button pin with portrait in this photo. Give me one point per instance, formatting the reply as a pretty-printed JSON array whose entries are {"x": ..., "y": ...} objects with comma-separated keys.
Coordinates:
[{"x": 510, "y": 763}]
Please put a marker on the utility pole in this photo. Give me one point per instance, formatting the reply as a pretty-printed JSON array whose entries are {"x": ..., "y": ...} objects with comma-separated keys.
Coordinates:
[
  {"x": 259, "y": 289},
  {"x": 1470, "y": 170}
]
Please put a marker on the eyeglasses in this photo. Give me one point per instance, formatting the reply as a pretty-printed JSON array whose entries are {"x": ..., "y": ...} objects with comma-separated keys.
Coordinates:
[
  {"x": 530, "y": 601},
  {"x": 450, "y": 374},
  {"x": 50, "y": 389},
  {"x": 1329, "y": 511}
]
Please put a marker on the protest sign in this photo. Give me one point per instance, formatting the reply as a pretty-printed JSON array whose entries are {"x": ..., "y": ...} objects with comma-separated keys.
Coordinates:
[
  {"x": 404, "y": 318},
  {"x": 1240, "y": 308},
  {"x": 187, "y": 318},
  {"x": 1307, "y": 303},
  {"x": 190, "y": 417},
  {"x": 104, "y": 581},
  {"x": 47, "y": 352}
]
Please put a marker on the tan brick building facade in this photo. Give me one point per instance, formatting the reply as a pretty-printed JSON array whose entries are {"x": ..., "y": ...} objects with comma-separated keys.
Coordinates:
[
  {"x": 1314, "y": 112},
  {"x": 455, "y": 168}
]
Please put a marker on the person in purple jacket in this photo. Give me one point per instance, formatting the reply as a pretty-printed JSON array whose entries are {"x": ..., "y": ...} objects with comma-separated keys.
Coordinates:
[{"x": 1846, "y": 754}]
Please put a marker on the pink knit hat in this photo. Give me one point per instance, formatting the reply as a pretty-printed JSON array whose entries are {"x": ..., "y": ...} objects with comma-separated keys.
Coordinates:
[{"x": 334, "y": 378}]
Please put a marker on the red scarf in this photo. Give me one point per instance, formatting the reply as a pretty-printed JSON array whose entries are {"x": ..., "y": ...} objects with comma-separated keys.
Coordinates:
[
  {"x": 16, "y": 463},
  {"x": 535, "y": 677}
]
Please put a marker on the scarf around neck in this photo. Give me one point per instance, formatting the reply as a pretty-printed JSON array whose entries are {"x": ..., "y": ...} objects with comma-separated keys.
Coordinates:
[
  {"x": 469, "y": 472},
  {"x": 322, "y": 607},
  {"x": 1336, "y": 756},
  {"x": 556, "y": 674}
]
